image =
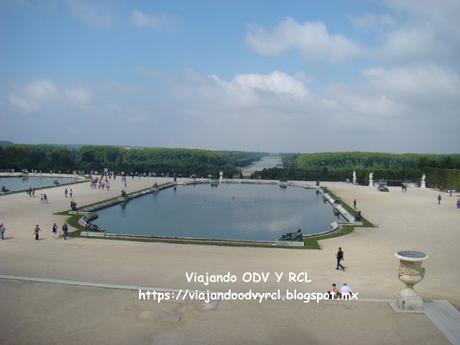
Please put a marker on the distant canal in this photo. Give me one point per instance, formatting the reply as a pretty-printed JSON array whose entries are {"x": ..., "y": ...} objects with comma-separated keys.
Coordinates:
[
  {"x": 228, "y": 211},
  {"x": 20, "y": 183},
  {"x": 266, "y": 162}
]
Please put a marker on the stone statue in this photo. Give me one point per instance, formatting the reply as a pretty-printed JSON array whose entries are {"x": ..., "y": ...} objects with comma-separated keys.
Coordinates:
[
  {"x": 292, "y": 236},
  {"x": 371, "y": 180},
  {"x": 354, "y": 177},
  {"x": 423, "y": 182}
]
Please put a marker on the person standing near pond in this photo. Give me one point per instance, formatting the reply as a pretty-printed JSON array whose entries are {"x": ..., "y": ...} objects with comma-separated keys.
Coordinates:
[
  {"x": 339, "y": 257},
  {"x": 65, "y": 230},
  {"x": 439, "y": 199},
  {"x": 71, "y": 193},
  {"x": 66, "y": 192},
  {"x": 37, "y": 232},
  {"x": 2, "y": 230}
]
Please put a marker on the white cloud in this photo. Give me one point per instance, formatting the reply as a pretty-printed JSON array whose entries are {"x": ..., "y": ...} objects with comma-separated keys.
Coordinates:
[
  {"x": 91, "y": 13},
  {"x": 276, "y": 91},
  {"x": 278, "y": 111},
  {"x": 413, "y": 43},
  {"x": 422, "y": 81},
  {"x": 143, "y": 20},
  {"x": 78, "y": 95},
  {"x": 311, "y": 39},
  {"x": 38, "y": 93},
  {"x": 414, "y": 31},
  {"x": 371, "y": 21},
  {"x": 441, "y": 14},
  {"x": 34, "y": 94}
]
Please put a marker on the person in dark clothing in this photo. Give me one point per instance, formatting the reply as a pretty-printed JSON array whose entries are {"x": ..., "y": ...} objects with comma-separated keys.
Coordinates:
[
  {"x": 65, "y": 230},
  {"x": 37, "y": 232},
  {"x": 339, "y": 257},
  {"x": 354, "y": 204},
  {"x": 439, "y": 199}
]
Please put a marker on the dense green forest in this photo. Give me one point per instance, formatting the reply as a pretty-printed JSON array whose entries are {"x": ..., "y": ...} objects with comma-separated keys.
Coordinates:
[
  {"x": 375, "y": 160},
  {"x": 442, "y": 170},
  {"x": 182, "y": 162}
]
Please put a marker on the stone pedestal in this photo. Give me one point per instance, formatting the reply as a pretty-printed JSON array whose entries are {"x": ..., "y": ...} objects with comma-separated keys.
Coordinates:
[
  {"x": 355, "y": 180},
  {"x": 408, "y": 300},
  {"x": 411, "y": 272},
  {"x": 371, "y": 180}
]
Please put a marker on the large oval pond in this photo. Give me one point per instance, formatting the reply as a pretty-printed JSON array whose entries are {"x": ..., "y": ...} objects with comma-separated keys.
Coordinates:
[
  {"x": 20, "y": 183},
  {"x": 228, "y": 211}
]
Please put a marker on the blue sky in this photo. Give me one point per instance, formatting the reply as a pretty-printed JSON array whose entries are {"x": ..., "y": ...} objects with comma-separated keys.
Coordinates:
[{"x": 247, "y": 75}]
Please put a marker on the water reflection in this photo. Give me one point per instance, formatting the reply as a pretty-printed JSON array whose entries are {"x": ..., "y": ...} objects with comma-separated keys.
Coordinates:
[
  {"x": 231, "y": 211},
  {"x": 25, "y": 182}
]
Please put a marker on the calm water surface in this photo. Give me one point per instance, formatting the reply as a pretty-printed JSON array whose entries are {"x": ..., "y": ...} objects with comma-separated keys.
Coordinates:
[
  {"x": 229, "y": 211},
  {"x": 20, "y": 183},
  {"x": 266, "y": 162}
]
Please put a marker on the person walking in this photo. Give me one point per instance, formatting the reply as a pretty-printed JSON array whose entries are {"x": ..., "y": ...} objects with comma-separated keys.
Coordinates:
[
  {"x": 37, "y": 232},
  {"x": 71, "y": 193},
  {"x": 65, "y": 230},
  {"x": 439, "y": 199},
  {"x": 354, "y": 204},
  {"x": 339, "y": 257},
  {"x": 2, "y": 230},
  {"x": 55, "y": 227},
  {"x": 66, "y": 192}
]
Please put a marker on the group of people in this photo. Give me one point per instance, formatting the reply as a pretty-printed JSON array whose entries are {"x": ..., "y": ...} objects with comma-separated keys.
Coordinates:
[
  {"x": 342, "y": 293},
  {"x": 345, "y": 290},
  {"x": 65, "y": 230},
  {"x": 68, "y": 193},
  {"x": 37, "y": 231},
  {"x": 54, "y": 231},
  {"x": 102, "y": 182},
  {"x": 43, "y": 198}
]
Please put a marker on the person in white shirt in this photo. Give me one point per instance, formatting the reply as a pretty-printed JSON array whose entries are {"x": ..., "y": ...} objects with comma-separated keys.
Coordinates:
[{"x": 345, "y": 291}]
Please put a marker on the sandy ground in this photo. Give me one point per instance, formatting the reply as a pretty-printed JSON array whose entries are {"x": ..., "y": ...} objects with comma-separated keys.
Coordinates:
[
  {"x": 52, "y": 314},
  {"x": 411, "y": 220}
]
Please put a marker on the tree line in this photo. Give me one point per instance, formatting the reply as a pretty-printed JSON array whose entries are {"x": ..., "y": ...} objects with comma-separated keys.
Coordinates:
[
  {"x": 182, "y": 162},
  {"x": 441, "y": 170}
]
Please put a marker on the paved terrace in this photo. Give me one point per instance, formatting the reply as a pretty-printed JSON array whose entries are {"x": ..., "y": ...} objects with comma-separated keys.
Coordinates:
[{"x": 409, "y": 220}]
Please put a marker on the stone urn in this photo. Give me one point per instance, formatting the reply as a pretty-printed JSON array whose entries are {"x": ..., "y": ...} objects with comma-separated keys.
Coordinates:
[{"x": 411, "y": 272}]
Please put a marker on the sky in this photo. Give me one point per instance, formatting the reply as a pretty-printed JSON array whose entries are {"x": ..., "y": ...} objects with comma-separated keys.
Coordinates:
[{"x": 277, "y": 76}]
